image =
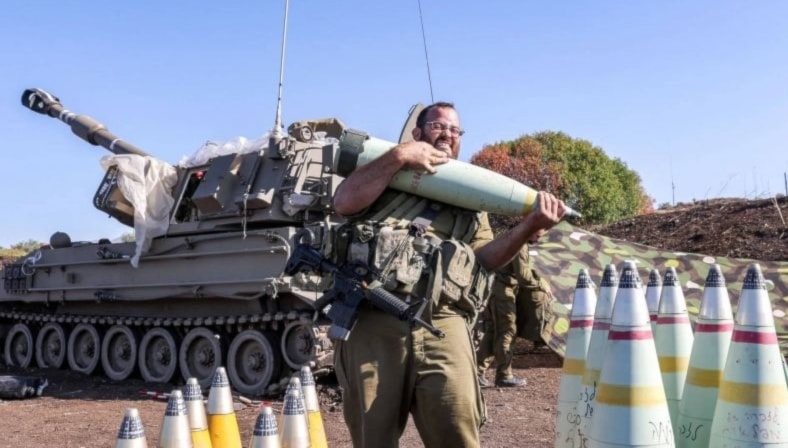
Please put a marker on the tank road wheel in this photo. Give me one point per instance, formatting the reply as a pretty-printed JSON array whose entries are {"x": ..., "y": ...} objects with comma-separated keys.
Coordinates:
[
  {"x": 51, "y": 346},
  {"x": 84, "y": 349},
  {"x": 119, "y": 352},
  {"x": 19, "y": 346},
  {"x": 299, "y": 344},
  {"x": 158, "y": 356},
  {"x": 200, "y": 355},
  {"x": 252, "y": 361}
]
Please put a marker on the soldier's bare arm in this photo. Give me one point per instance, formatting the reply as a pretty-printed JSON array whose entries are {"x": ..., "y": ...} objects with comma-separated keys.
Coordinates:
[
  {"x": 503, "y": 248},
  {"x": 364, "y": 185}
]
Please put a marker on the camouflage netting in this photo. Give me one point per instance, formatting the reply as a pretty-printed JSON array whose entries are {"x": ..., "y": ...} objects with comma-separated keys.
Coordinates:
[{"x": 566, "y": 249}]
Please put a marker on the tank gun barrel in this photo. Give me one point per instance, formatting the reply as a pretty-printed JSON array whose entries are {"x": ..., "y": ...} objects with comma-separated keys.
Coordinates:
[{"x": 83, "y": 126}]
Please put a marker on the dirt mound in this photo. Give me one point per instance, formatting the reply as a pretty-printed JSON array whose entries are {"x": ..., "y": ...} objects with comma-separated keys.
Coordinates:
[{"x": 726, "y": 227}]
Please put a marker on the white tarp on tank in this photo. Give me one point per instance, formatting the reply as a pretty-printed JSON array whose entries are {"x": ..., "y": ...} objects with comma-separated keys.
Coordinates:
[{"x": 146, "y": 182}]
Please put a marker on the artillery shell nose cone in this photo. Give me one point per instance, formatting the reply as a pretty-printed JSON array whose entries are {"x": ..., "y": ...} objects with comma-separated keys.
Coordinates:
[
  {"x": 607, "y": 295},
  {"x": 220, "y": 378},
  {"x": 715, "y": 279},
  {"x": 307, "y": 379},
  {"x": 715, "y": 304},
  {"x": 671, "y": 278},
  {"x": 294, "y": 385},
  {"x": 131, "y": 433},
  {"x": 609, "y": 276},
  {"x": 653, "y": 294},
  {"x": 192, "y": 390},
  {"x": 672, "y": 300},
  {"x": 754, "y": 278},
  {"x": 755, "y": 309},
  {"x": 294, "y": 404},
  {"x": 583, "y": 280},
  {"x": 654, "y": 279},
  {"x": 584, "y": 301},
  {"x": 175, "y": 405},
  {"x": 629, "y": 276},
  {"x": 630, "y": 305},
  {"x": 266, "y": 423}
]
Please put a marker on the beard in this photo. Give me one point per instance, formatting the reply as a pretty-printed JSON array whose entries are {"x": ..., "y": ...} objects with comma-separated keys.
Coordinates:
[{"x": 442, "y": 143}]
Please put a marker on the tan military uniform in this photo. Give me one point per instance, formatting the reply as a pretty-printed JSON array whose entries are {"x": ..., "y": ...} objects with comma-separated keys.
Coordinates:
[
  {"x": 516, "y": 308},
  {"x": 389, "y": 369},
  {"x": 533, "y": 305}
]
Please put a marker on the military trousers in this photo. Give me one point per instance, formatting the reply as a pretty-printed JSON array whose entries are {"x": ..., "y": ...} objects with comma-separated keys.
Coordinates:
[
  {"x": 388, "y": 370},
  {"x": 533, "y": 304},
  {"x": 498, "y": 341}
]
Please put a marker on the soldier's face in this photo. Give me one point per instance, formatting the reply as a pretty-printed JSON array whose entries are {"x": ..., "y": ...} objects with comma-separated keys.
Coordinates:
[{"x": 443, "y": 139}]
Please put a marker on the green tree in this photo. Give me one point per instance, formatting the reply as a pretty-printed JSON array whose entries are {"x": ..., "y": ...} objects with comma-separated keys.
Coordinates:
[
  {"x": 601, "y": 188},
  {"x": 127, "y": 237},
  {"x": 27, "y": 246},
  {"x": 525, "y": 161}
]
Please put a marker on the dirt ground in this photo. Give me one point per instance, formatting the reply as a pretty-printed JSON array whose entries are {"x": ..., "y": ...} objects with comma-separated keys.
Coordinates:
[
  {"x": 86, "y": 411},
  {"x": 80, "y": 411}
]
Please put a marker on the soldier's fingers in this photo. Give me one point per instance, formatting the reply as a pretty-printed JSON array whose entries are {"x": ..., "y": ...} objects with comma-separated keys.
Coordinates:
[
  {"x": 547, "y": 202},
  {"x": 561, "y": 208}
]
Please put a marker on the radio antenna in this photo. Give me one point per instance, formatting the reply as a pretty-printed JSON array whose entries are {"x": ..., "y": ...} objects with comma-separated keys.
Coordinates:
[
  {"x": 277, "y": 132},
  {"x": 426, "y": 56}
]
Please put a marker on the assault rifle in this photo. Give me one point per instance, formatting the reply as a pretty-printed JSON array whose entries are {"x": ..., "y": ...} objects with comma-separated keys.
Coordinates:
[{"x": 353, "y": 283}]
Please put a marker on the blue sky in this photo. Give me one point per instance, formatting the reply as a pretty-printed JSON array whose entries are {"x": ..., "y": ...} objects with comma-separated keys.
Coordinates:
[{"x": 689, "y": 93}]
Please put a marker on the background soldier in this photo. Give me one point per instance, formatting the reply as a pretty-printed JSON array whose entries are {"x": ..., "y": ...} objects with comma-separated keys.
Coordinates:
[
  {"x": 534, "y": 298},
  {"x": 517, "y": 307}
]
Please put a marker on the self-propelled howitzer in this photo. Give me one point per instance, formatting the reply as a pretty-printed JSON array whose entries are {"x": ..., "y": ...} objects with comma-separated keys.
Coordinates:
[{"x": 209, "y": 288}]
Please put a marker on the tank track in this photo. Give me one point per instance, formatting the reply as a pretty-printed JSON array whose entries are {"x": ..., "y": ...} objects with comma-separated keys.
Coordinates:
[{"x": 305, "y": 342}]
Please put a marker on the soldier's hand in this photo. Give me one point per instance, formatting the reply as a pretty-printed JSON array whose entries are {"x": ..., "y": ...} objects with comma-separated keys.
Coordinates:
[
  {"x": 549, "y": 211},
  {"x": 420, "y": 156}
]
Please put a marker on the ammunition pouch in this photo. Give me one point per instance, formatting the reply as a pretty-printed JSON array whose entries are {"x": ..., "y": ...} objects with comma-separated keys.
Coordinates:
[
  {"x": 398, "y": 259},
  {"x": 399, "y": 256},
  {"x": 362, "y": 243},
  {"x": 464, "y": 284},
  {"x": 410, "y": 260}
]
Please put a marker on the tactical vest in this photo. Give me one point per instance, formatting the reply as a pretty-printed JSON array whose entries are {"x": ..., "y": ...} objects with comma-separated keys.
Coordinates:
[{"x": 419, "y": 248}]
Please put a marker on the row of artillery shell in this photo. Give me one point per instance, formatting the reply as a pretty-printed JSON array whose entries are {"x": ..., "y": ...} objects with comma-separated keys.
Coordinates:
[
  {"x": 633, "y": 377},
  {"x": 186, "y": 424}
]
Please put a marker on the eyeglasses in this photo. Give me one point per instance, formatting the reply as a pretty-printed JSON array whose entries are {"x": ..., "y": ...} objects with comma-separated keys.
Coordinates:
[{"x": 438, "y": 126}]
